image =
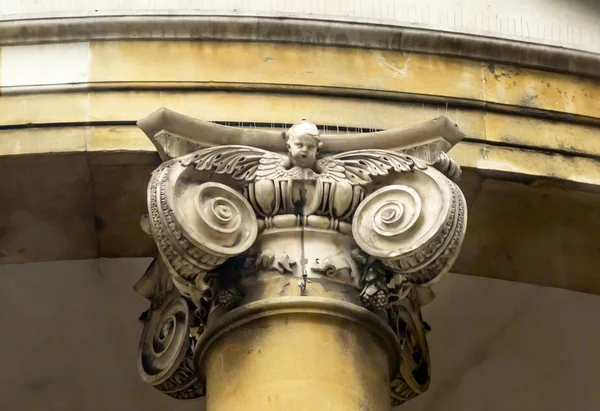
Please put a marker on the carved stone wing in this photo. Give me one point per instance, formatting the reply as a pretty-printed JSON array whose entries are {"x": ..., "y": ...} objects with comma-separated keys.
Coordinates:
[
  {"x": 359, "y": 166},
  {"x": 272, "y": 166},
  {"x": 241, "y": 162}
]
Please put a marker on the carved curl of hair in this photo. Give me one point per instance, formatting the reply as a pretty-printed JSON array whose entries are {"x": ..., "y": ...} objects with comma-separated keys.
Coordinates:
[{"x": 304, "y": 127}]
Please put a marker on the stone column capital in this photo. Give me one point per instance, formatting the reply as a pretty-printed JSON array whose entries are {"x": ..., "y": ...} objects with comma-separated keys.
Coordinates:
[{"x": 290, "y": 225}]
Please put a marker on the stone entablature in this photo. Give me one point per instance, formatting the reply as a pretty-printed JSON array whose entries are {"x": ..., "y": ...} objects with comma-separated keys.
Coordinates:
[
  {"x": 536, "y": 22},
  {"x": 246, "y": 233}
]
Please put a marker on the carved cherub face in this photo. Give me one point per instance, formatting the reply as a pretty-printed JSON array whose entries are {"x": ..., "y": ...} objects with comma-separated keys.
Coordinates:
[{"x": 303, "y": 143}]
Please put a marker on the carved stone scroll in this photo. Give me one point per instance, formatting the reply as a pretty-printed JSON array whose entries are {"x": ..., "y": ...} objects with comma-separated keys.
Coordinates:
[
  {"x": 414, "y": 225},
  {"x": 197, "y": 226}
]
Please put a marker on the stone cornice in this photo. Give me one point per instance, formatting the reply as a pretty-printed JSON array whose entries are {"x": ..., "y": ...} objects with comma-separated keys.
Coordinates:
[{"x": 302, "y": 31}]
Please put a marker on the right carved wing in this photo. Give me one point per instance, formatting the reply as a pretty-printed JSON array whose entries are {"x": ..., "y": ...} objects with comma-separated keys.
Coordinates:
[
  {"x": 241, "y": 162},
  {"x": 359, "y": 166}
]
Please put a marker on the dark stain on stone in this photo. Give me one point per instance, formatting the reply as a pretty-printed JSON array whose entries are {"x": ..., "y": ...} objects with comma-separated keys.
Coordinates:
[
  {"x": 529, "y": 100},
  {"x": 341, "y": 38},
  {"x": 341, "y": 338},
  {"x": 99, "y": 223},
  {"x": 501, "y": 73},
  {"x": 268, "y": 59}
]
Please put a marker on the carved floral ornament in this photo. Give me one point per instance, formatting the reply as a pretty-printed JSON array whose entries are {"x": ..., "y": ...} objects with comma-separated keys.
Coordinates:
[{"x": 373, "y": 227}]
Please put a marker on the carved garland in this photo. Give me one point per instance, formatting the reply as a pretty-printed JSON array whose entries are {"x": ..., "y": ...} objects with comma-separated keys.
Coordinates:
[{"x": 413, "y": 375}]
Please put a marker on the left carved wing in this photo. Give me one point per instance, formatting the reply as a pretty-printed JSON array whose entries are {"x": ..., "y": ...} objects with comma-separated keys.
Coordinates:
[
  {"x": 359, "y": 166},
  {"x": 241, "y": 162}
]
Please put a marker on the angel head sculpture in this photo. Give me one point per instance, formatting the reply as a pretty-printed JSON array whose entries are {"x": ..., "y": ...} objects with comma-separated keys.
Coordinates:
[{"x": 303, "y": 143}]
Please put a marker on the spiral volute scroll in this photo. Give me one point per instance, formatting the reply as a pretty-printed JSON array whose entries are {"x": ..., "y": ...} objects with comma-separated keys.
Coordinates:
[
  {"x": 165, "y": 353},
  {"x": 414, "y": 225},
  {"x": 398, "y": 209},
  {"x": 197, "y": 225}
]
